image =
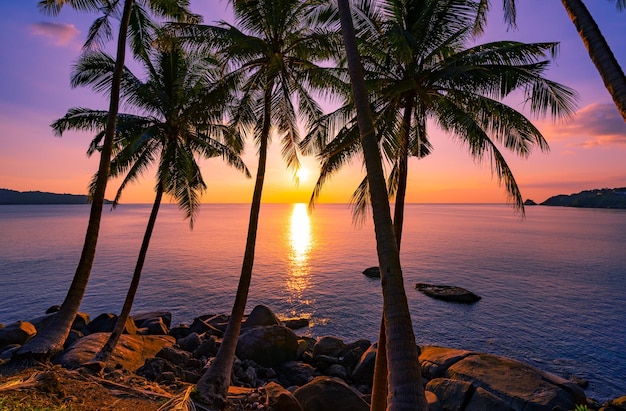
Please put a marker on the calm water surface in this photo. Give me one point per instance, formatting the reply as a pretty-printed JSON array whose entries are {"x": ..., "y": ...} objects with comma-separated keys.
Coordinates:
[{"x": 553, "y": 285}]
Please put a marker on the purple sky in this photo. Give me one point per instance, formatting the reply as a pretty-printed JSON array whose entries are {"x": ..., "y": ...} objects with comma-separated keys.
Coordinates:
[{"x": 38, "y": 51}]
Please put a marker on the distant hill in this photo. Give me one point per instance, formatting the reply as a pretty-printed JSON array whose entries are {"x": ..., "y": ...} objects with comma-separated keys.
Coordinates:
[
  {"x": 602, "y": 198},
  {"x": 38, "y": 197}
]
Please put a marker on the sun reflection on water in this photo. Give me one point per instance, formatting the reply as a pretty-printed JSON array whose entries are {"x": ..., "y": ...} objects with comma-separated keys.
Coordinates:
[{"x": 300, "y": 243}]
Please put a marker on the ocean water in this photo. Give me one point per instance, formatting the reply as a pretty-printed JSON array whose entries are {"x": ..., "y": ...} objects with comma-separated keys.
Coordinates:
[{"x": 553, "y": 284}]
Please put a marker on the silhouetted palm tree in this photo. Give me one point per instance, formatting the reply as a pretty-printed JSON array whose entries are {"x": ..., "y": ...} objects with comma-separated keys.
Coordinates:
[
  {"x": 135, "y": 21},
  {"x": 181, "y": 119},
  {"x": 599, "y": 50},
  {"x": 270, "y": 56},
  {"x": 417, "y": 69}
]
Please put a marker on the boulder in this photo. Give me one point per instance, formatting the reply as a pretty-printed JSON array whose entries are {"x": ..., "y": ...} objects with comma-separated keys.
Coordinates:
[
  {"x": 433, "y": 402},
  {"x": 155, "y": 326},
  {"x": 363, "y": 372},
  {"x": 517, "y": 385},
  {"x": 174, "y": 355},
  {"x": 434, "y": 360},
  {"x": 17, "y": 333},
  {"x": 130, "y": 353},
  {"x": 448, "y": 293},
  {"x": 140, "y": 318},
  {"x": 261, "y": 315},
  {"x": 328, "y": 346},
  {"x": 189, "y": 342},
  {"x": 295, "y": 373},
  {"x": 456, "y": 393},
  {"x": 105, "y": 323},
  {"x": 279, "y": 399},
  {"x": 268, "y": 346},
  {"x": 372, "y": 272},
  {"x": 329, "y": 394}
]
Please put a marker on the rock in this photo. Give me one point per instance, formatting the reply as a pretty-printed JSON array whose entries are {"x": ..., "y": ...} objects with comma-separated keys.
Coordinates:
[
  {"x": 363, "y": 372},
  {"x": 207, "y": 348},
  {"x": 617, "y": 404},
  {"x": 105, "y": 323},
  {"x": 155, "y": 326},
  {"x": 328, "y": 346},
  {"x": 519, "y": 386},
  {"x": 190, "y": 342},
  {"x": 433, "y": 402},
  {"x": 17, "y": 333},
  {"x": 130, "y": 353},
  {"x": 529, "y": 202},
  {"x": 140, "y": 318},
  {"x": 337, "y": 370},
  {"x": 325, "y": 393},
  {"x": 372, "y": 272},
  {"x": 295, "y": 373},
  {"x": 448, "y": 293},
  {"x": 7, "y": 351},
  {"x": 268, "y": 346},
  {"x": 53, "y": 309},
  {"x": 279, "y": 399},
  {"x": 80, "y": 321},
  {"x": 296, "y": 323},
  {"x": 454, "y": 392},
  {"x": 174, "y": 355},
  {"x": 260, "y": 315},
  {"x": 434, "y": 360}
]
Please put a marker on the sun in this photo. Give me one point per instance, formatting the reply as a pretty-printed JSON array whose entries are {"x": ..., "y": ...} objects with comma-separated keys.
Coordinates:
[{"x": 302, "y": 174}]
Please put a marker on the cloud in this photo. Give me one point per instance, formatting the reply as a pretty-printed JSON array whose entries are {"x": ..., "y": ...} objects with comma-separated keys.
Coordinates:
[
  {"x": 592, "y": 126},
  {"x": 59, "y": 34}
]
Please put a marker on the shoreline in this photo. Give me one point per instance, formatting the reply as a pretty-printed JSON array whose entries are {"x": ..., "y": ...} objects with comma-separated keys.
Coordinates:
[{"x": 302, "y": 360}]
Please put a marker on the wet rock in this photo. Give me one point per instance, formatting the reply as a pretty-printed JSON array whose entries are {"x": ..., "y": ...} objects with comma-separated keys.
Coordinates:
[
  {"x": 296, "y": 323},
  {"x": 372, "y": 272},
  {"x": 325, "y": 393},
  {"x": 448, "y": 293},
  {"x": 617, "y": 404}
]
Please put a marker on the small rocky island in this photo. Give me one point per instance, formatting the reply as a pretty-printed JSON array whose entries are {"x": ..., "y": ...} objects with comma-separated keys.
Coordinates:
[
  {"x": 599, "y": 198},
  {"x": 13, "y": 197},
  {"x": 448, "y": 293}
]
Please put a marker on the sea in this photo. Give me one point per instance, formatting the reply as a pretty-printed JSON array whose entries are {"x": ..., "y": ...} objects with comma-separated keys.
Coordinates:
[{"x": 553, "y": 283}]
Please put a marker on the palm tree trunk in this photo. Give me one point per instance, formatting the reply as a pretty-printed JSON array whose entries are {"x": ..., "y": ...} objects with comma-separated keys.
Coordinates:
[
  {"x": 406, "y": 391},
  {"x": 213, "y": 386},
  {"x": 101, "y": 358},
  {"x": 379, "y": 388},
  {"x": 599, "y": 51},
  {"x": 50, "y": 341}
]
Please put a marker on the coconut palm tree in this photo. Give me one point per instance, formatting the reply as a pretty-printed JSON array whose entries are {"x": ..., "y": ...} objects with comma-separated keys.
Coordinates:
[
  {"x": 134, "y": 21},
  {"x": 407, "y": 392},
  {"x": 597, "y": 47},
  {"x": 270, "y": 55},
  {"x": 418, "y": 69},
  {"x": 180, "y": 116}
]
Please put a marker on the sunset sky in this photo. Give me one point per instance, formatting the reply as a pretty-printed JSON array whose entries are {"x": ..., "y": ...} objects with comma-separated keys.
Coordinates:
[{"x": 37, "y": 52}]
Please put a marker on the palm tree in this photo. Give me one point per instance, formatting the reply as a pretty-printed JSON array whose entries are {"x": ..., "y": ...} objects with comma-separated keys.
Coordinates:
[
  {"x": 419, "y": 70},
  {"x": 269, "y": 56},
  {"x": 406, "y": 390},
  {"x": 134, "y": 21},
  {"x": 180, "y": 115},
  {"x": 599, "y": 51}
]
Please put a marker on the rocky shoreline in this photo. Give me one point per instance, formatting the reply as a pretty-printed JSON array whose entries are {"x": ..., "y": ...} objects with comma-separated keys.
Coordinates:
[{"x": 278, "y": 370}]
